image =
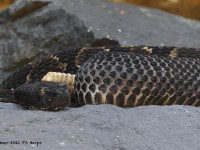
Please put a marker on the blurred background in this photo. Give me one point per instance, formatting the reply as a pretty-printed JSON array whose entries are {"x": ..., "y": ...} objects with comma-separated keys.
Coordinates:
[
  {"x": 5, "y": 3},
  {"x": 186, "y": 8}
]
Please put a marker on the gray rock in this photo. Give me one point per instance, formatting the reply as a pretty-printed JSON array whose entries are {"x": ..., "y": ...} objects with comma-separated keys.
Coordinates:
[
  {"x": 31, "y": 29},
  {"x": 132, "y": 25},
  {"x": 102, "y": 127},
  {"x": 43, "y": 31}
]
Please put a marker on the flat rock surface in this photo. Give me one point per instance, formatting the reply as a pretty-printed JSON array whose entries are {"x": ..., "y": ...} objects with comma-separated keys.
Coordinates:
[{"x": 101, "y": 127}]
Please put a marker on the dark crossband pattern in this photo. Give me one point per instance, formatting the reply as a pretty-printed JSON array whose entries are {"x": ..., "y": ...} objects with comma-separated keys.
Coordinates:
[
  {"x": 127, "y": 80},
  {"x": 123, "y": 76}
]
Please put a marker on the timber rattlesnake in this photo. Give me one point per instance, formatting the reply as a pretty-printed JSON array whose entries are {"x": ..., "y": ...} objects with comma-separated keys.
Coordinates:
[{"x": 123, "y": 76}]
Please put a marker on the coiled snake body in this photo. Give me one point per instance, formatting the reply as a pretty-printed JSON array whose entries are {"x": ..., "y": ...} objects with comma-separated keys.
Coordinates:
[{"x": 124, "y": 76}]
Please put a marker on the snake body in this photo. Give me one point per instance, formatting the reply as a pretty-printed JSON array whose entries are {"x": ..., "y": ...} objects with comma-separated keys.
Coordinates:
[
  {"x": 128, "y": 80},
  {"x": 124, "y": 76}
]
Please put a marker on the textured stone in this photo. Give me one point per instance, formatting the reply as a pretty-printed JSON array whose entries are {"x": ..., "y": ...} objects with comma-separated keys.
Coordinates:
[
  {"x": 102, "y": 127},
  {"x": 132, "y": 25},
  {"x": 30, "y": 35}
]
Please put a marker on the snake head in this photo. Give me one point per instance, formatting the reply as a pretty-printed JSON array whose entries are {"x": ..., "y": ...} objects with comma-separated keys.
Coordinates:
[{"x": 43, "y": 95}]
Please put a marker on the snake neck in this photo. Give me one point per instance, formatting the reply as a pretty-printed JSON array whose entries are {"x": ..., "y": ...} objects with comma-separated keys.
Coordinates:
[{"x": 58, "y": 77}]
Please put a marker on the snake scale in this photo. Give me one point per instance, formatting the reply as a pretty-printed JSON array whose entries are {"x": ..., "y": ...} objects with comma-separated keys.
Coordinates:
[{"x": 123, "y": 76}]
